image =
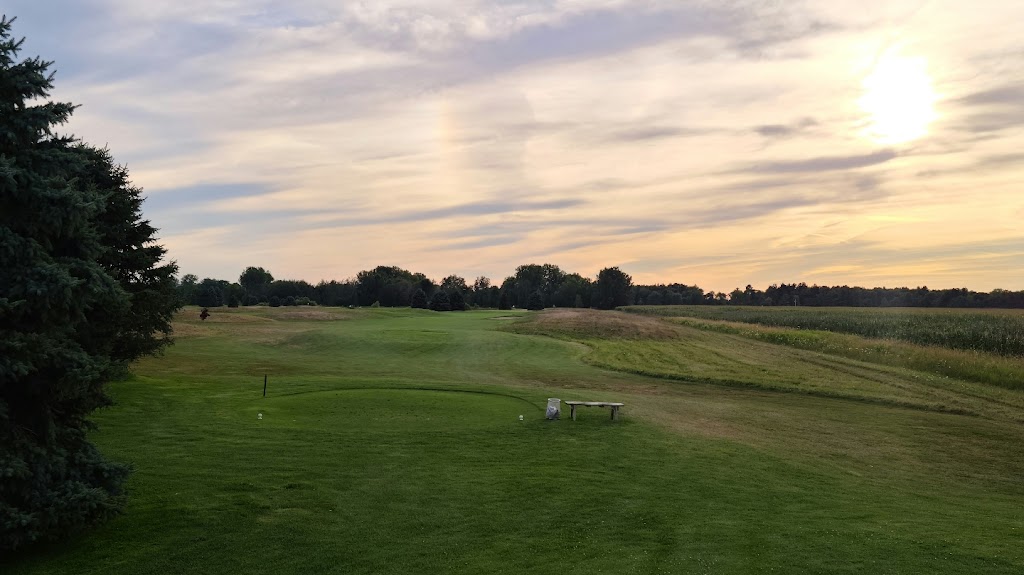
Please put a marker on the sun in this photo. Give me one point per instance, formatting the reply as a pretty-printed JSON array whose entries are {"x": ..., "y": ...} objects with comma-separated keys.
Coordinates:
[{"x": 898, "y": 99}]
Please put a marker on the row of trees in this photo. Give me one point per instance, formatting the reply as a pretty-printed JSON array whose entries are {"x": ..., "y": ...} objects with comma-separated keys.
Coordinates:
[
  {"x": 533, "y": 286},
  {"x": 536, "y": 286},
  {"x": 802, "y": 294}
]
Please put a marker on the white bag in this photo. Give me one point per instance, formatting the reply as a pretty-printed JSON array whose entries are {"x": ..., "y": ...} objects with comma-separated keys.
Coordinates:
[{"x": 554, "y": 410}]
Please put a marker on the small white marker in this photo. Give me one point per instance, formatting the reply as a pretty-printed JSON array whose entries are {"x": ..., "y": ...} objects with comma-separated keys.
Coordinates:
[
  {"x": 520, "y": 418},
  {"x": 259, "y": 415}
]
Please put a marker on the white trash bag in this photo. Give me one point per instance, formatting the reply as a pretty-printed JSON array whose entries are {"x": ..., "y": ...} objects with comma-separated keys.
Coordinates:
[{"x": 554, "y": 410}]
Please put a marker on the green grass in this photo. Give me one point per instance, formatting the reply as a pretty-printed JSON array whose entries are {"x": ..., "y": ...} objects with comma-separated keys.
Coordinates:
[
  {"x": 726, "y": 355},
  {"x": 995, "y": 331},
  {"x": 390, "y": 443}
]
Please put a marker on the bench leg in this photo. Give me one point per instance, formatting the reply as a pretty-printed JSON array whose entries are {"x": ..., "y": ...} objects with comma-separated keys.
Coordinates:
[
  {"x": 572, "y": 412},
  {"x": 615, "y": 411}
]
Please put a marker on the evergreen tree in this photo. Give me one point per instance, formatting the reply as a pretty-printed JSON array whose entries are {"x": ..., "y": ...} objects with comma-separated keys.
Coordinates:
[
  {"x": 458, "y": 302},
  {"x": 503, "y": 300},
  {"x": 81, "y": 295},
  {"x": 419, "y": 299},
  {"x": 536, "y": 301},
  {"x": 440, "y": 301}
]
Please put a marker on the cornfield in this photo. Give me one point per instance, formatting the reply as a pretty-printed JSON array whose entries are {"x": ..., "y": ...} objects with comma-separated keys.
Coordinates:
[{"x": 993, "y": 331}]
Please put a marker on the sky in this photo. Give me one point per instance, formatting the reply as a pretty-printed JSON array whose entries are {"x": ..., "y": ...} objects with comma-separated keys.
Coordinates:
[{"x": 716, "y": 143}]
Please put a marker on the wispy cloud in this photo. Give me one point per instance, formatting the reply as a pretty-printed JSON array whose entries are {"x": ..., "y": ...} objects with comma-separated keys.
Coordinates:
[{"x": 822, "y": 164}]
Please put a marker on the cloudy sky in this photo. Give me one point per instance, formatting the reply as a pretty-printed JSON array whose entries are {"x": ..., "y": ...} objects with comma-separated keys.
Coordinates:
[{"x": 708, "y": 142}]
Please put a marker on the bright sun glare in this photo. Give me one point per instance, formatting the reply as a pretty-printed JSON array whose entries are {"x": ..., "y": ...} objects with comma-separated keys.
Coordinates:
[{"x": 899, "y": 99}]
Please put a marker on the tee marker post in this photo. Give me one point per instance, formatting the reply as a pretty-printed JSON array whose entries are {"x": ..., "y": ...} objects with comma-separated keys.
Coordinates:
[{"x": 264, "y": 385}]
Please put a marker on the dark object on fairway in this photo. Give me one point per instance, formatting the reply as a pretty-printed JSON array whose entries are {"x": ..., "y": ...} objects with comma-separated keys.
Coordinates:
[
  {"x": 204, "y": 314},
  {"x": 264, "y": 385}
]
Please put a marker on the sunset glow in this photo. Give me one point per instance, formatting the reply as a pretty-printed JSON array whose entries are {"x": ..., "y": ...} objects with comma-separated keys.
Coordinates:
[
  {"x": 708, "y": 143},
  {"x": 899, "y": 99}
]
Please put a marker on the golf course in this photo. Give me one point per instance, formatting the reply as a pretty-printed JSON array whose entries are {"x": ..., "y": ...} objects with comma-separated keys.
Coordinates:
[{"x": 390, "y": 441}]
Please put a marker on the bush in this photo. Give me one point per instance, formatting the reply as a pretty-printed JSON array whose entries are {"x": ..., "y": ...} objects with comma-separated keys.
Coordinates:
[
  {"x": 419, "y": 299},
  {"x": 536, "y": 302},
  {"x": 375, "y": 304},
  {"x": 458, "y": 303},
  {"x": 233, "y": 302},
  {"x": 250, "y": 300},
  {"x": 303, "y": 301},
  {"x": 275, "y": 301},
  {"x": 440, "y": 301},
  {"x": 289, "y": 301}
]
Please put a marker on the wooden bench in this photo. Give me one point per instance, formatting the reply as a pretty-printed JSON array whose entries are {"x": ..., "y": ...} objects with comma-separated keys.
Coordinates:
[{"x": 615, "y": 407}]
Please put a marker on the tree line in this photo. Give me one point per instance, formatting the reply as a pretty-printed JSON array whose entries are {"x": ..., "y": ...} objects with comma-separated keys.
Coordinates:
[
  {"x": 532, "y": 287},
  {"x": 539, "y": 286}
]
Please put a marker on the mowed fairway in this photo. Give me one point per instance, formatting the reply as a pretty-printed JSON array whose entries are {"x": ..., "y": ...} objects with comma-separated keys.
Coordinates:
[{"x": 390, "y": 442}]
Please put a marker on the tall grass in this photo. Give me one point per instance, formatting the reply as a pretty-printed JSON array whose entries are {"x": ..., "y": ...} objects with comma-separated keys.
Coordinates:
[{"x": 996, "y": 331}]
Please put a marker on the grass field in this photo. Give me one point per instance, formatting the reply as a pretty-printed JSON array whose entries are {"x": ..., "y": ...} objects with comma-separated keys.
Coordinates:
[{"x": 390, "y": 442}]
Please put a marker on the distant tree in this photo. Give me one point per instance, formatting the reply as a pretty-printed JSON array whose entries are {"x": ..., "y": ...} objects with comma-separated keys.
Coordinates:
[
  {"x": 419, "y": 299},
  {"x": 250, "y": 299},
  {"x": 187, "y": 289},
  {"x": 209, "y": 294},
  {"x": 536, "y": 301},
  {"x": 289, "y": 301},
  {"x": 233, "y": 301},
  {"x": 572, "y": 286},
  {"x": 579, "y": 301},
  {"x": 453, "y": 283},
  {"x": 334, "y": 293},
  {"x": 234, "y": 292},
  {"x": 440, "y": 302},
  {"x": 390, "y": 285},
  {"x": 612, "y": 288},
  {"x": 503, "y": 300},
  {"x": 654, "y": 298},
  {"x": 256, "y": 281},
  {"x": 481, "y": 294},
  {"x": 458, "y": 303},
  {"x": 274, "y": 301}
]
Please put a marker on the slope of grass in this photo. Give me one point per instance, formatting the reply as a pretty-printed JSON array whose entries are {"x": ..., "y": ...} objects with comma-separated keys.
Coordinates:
[
  {"x": 390, "y": 443},
  {"x": 976, "y": 366},
  {"x": 730, "y": 357}
]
